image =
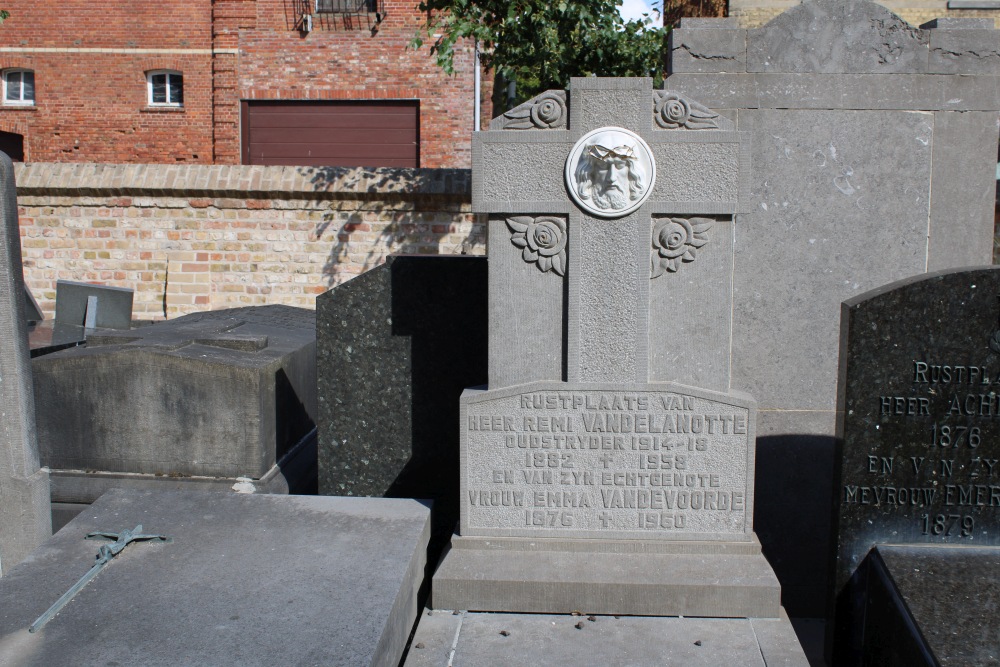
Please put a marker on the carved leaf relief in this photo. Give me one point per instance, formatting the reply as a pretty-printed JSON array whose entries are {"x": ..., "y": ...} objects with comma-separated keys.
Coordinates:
[
  {"x": 675, "y": 241},
  {"x": 545, "y": 112},
  {"x": 673, "y": 111},
  {"x": 542, "y": 239}
]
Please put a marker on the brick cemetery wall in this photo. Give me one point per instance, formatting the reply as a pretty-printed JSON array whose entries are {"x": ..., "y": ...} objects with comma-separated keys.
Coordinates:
[{"x": 190, "y": 238}]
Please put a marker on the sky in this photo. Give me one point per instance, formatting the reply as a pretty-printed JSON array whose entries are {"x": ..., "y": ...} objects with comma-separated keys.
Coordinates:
[{"x": 633, "y": 9}]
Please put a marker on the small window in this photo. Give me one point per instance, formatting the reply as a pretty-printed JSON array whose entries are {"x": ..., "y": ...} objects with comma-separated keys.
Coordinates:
[
  {"x": 346, "y": 6},
  {"x": 19, "y": 87},
  {"x": 165, "y": 89}
]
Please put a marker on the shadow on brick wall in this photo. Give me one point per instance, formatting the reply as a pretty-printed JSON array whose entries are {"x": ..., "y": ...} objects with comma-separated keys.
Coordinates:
[{"x": 375, "y": 212}]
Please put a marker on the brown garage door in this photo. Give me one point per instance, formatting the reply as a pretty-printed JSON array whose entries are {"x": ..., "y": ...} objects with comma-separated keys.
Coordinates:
[{"x": 335, "y": 134}]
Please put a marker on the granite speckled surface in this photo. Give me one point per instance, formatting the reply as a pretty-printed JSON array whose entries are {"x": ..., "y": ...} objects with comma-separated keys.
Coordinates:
[
  {"x": 920, "y": 426},
  {"x": 932, "y": 605},
  {"x": 396, "y": 348}
]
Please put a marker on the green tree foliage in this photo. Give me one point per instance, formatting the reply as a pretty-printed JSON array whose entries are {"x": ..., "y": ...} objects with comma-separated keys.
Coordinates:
[
  {"x": 4, "y": 14},
  {"x": 540, "y": 44}
]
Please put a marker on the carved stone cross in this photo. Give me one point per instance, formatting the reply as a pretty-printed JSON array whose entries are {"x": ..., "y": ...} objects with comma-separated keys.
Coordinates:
[{"x": 590, "y": 199}]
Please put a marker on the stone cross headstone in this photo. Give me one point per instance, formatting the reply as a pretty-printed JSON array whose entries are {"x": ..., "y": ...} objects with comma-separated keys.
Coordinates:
[
  {"x": 590, "y": 477},
  {"x": 25, "y": 519},
  {"x": 919, "y": 459}
]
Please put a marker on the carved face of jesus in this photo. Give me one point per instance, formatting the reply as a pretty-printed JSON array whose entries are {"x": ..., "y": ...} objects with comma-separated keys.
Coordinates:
[{"x": 610, "y": 177}]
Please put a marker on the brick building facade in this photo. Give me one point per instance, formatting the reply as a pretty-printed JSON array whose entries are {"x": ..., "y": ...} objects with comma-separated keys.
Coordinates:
[{"x": 93, "y": 99}]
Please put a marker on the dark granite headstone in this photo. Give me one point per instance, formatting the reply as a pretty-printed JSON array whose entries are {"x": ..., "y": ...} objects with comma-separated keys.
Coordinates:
[
  {"x": 931, "y": 605},
  {"x": 396, "y": 347},
  {"x": 919, "y": 426}
]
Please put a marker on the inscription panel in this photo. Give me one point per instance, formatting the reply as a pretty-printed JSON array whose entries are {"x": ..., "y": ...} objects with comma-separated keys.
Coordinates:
[
  {"x": 921, "y": 426},
  {"x": 658, "y": 461},
  {"x": 920, "y": 422}
]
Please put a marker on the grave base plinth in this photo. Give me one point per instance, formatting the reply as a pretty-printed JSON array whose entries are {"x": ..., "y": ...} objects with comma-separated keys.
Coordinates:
[{"x": 622, "y": 577}]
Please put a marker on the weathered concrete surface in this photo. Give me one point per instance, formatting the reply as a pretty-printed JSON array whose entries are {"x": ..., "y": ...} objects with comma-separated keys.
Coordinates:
[
  {"x": 24, "y": 487},
  {"x": 246, "y": 580},
  {"x": 217, "y": 394},
  {"x": 464, "y": 639}
]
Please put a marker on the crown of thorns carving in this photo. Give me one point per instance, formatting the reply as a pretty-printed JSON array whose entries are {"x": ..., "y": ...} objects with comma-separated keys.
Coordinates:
[{"x": 623, "y": 152}]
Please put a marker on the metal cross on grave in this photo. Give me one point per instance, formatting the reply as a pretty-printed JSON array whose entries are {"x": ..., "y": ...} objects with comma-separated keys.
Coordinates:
[{"x": 615, "y": 190}]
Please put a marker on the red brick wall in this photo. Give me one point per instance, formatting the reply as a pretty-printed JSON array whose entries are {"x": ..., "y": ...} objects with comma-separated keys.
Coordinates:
[{"x": 90, "y": 61}]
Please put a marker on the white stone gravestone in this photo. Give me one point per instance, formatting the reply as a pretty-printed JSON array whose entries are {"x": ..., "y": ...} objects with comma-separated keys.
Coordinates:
[
  {"x": 608, "y": 467},
  {"x": 25, "y": 519}
]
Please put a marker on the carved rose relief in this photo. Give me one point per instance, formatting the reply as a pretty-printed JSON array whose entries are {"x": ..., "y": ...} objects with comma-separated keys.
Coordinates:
[
  {"x": 543, "y": 240},
  {"x": 545, "y": 112},
  {"x": 676, "y": 240},
  {"x": 672, "y": 112}
]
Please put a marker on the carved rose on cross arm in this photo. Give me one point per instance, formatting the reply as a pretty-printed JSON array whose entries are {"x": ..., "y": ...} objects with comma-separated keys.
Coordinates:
[
  {"x": 545, "y": 112},
  {"x": 543, "y": 240},
  {"x": 673, "y": 111},
  {"x": 676, "y": 240}
]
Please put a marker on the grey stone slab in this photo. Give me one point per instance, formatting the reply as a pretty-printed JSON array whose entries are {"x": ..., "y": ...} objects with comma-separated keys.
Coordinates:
[
  {"x": 833, "y": 219},
  {"x": 690, "y": 315},
  {"x": 779, "y": 644},
  {"x": 607, "y": 461},
  {"x": 246, "y": 580},
  {"x": 25, "y": 520},
  {"x": 114, "y": 304},
  {"x": 527, "y": 314},
  {"x": 793, "y": 494},
  {"x": 295, "y": 473},
  {"x": 964, "y": 165},
  {"x": 597, "y": 102},
  {"x": 778, "y": 90},
  {"x": 469, "y": 638},
  {"x": 518, "y": 164},
  {"x": 644, "y": 584},
  {"x": 958, "y": 23},
  {"x": 224, "y": 393},
  {"x": 608, "y": 299},
  {"x": 965, "y": 51},
  {"x": 837, "y": 36},
  {"x": 707, "y": 50}
]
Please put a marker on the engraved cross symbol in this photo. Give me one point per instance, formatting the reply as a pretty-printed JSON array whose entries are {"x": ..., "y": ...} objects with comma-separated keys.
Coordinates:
[
  {"x": 607, "y": 460},
  {"x": 519, "y": 167},
  {"x": 605, "y": 519}
]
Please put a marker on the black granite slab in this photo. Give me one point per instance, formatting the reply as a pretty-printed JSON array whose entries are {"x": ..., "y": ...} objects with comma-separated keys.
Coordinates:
[
  {"x": 919, "y": 426},
  {"x": 396, "y": 347},
  {"x": 932, "y": 605}
]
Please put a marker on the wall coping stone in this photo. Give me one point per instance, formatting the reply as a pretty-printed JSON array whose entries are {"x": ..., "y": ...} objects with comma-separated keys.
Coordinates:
[{"x": 242, "y": 181}]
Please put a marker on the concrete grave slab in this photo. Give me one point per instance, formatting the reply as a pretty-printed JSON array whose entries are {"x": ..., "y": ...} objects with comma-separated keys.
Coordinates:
[
  {"x": 245, "y": 580},
  {"x": 463, "y": 639},
  {"x": 218, "y": 395}
]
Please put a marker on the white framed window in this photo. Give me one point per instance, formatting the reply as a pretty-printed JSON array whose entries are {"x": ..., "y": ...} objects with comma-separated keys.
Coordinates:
[
  {"x": 19, "y": 87},
  {"x": 165, "y": 88}
]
